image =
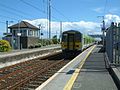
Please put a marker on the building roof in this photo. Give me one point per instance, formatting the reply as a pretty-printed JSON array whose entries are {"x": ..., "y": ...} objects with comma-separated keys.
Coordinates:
[
  {"x": 69, "y": 31},
  {"x": 23, "y": 24}
]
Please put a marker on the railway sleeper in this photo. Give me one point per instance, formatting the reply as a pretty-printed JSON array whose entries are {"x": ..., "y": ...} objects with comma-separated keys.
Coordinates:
[
  {"x": 42, "y": 79},
  {"x": 52, "y": 70},
  {"x": 3, "y": 82},
  {"x": 49, "y": 71},
  {"x": 10, "y": 77},
  {"x": 48, "y": 74},
  {"x": 32, "y": 86},
  {"x": 40, "y": 82},
  {"x": 6, "y": 72},
  {"x": 25, "y": 88},
  {"x": 29, "y": 86},
  {"x": 1, "y": 74},
  {"x": 35, "y": 82}
]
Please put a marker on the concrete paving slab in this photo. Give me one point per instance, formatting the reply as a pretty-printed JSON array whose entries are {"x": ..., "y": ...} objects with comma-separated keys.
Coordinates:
[{"x": 94, "y": 75}]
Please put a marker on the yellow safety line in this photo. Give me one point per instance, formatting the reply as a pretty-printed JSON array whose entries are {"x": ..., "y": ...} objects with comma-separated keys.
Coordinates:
[{"x": 70, "y": 83}]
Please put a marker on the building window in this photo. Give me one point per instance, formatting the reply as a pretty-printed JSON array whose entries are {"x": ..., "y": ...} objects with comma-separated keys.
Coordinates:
[
  {"x": 36, "y": 34},
  {"x": 13, "y": 32},
  {"x": 23, "y": 32},
  {"x": 33, "y": 33},
  {"x": 30, "y": 33}
]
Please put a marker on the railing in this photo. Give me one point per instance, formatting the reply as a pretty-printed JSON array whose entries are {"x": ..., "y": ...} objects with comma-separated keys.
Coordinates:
[{"x": 113, "y": 43}]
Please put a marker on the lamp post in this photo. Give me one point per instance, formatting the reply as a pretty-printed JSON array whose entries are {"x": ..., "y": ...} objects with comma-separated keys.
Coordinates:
[
  {"x": 49, "y": 9},
  {"x": 7, "y": 24},
  {"x": 39, "y": 30},
  {"x": 60, "y": 31},
  {"x": 103, "y": 30},
  {"x": 19, "y": 40},
  {"x": 9, "y": 33},
  {"x": 19, "y": 36},
  {"x": 42, "y": 34}
]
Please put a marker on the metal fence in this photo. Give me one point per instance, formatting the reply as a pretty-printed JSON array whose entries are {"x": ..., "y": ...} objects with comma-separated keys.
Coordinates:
[{"x": 113, "y": 43}]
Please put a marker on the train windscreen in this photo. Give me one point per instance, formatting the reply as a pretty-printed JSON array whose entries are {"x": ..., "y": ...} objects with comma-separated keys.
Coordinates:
[
  {"x": 78, "y": 37},
  {"x": 64, "y": 37}
]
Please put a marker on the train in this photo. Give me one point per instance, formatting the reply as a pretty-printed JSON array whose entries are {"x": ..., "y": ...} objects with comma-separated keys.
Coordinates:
[{"x": 74, "y": 41}]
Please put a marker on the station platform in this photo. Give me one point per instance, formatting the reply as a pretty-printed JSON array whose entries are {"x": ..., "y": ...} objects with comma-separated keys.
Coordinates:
[
  {"x": 94, "y": 75},
  {"x": 18, "y": 51},
  {"x": 87, "y": 71},
  {"x": 17, "y": 56}
]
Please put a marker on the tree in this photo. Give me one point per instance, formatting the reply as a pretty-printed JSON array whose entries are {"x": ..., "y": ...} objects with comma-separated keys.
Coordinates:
[{"x": 54, "y": 39}]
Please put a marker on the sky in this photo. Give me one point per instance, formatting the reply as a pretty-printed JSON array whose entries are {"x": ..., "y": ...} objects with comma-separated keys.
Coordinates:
[{"x": 82, "y": 15}]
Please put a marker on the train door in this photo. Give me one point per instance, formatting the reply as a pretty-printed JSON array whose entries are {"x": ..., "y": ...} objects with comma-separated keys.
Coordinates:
[{"x": 71, "y": 43}]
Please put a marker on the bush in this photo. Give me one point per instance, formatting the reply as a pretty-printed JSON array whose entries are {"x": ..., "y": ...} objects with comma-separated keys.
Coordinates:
[
  {"x": 55, "y": 40},
  {"x": 38, "y": 45},
  {"x": 4, "y": 46},
  {"x": 45, "y": 42},
  {"x": 31, "y": 47}
]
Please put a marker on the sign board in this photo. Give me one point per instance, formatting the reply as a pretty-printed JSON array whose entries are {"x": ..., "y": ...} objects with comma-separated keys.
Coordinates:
[{"x": 19, "y": 34}]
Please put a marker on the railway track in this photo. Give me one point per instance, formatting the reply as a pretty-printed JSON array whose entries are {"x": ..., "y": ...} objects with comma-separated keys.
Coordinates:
[{"x": 29, "y": 75}]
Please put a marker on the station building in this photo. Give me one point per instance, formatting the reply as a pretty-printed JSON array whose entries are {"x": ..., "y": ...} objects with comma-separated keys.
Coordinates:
[{"x": 22, "y": 35}]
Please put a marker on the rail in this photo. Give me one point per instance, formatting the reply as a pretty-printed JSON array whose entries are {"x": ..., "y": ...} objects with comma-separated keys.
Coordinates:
[{"x": 23, "y": 74}]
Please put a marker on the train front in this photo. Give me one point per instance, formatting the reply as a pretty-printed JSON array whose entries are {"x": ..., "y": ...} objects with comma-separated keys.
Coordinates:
[{"x": 71, "y": 42}]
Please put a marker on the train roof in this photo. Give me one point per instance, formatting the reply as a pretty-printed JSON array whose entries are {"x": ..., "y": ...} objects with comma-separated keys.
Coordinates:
[
  {"x": 72, "y": 31},
  {"x": 75, "y": 31}
]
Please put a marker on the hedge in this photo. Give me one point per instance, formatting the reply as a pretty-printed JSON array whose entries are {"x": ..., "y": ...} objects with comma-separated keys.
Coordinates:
[{"x": 4, "y": 46}]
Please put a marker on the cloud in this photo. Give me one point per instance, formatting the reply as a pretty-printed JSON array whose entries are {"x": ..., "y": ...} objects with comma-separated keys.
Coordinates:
[
  {"x": 84, "y": 27},
  {"x": 111, "y": 18},
  {"x": 98, "y": 10}
]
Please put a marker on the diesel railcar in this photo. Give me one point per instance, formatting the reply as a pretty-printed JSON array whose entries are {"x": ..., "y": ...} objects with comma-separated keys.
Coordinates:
[{"x": 74, "y": 41}]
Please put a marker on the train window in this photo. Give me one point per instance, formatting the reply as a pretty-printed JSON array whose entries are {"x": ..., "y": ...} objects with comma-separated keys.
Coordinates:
[
  {"x": 64, "y": 38},
  {"x": 78, "y": 37},
  {"x": 71, "y": 37}
]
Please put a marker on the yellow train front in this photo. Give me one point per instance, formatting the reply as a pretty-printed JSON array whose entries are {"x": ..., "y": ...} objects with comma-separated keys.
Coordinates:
[
  {"x": 71, "y": 42},
  {"x": 74, "y": 42}
]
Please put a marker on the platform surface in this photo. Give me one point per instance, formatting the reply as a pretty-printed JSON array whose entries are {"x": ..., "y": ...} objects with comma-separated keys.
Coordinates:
[{"x": 94, "y": 75}]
